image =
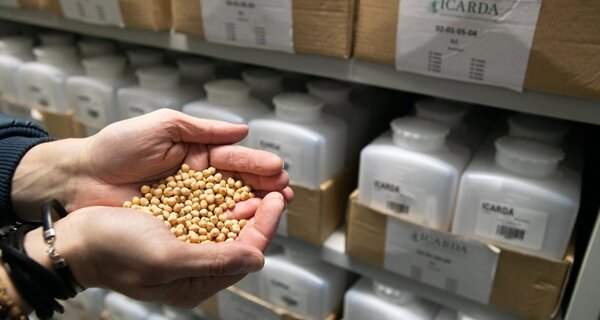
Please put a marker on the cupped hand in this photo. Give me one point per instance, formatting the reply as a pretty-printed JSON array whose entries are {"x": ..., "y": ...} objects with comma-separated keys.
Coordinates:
[
  {"x": 114, "y": 163},
  {"x": 135, "y": 254}
]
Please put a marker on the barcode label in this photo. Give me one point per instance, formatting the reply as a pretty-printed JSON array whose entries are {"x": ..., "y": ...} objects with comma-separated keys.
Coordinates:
[
  {"x": 398, "y": 207},
  {"x": 510, "y": 233}
]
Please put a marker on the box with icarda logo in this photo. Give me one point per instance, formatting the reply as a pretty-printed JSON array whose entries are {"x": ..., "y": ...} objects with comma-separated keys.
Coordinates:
[{"x": 526, "y": 285}]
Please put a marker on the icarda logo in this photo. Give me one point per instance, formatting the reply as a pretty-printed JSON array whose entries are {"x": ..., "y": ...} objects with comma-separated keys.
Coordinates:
[
  {"x": 471, "y": 9},
  {"x": 438, "y": 243}
]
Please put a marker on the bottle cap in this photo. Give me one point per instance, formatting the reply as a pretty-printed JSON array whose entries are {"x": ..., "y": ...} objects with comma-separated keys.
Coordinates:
[
  {"x": 95, "y": 47},
  {"x": 105, "y": 67},
  {"x": 538, "y": 128},
  {"x": 144, "y": 57},
  {"x": 297, "y": 107},
  {"x": 446, "y": 112},
  {"x": 56, "y": 38},
  {"x": 158, "y": 78},
  {"x": 391, "y": 294},
  {"x": 263, "y": 79},
  {"x": 527, "y": 157},
  {"x": 419, "y": 134},
  {"x": 197, "y": 68},
  {"x": 16, "y": 45},
  {"x": 227, "y": 92},
  {"x": 57, "y": 54},
  {"x": 333, "y": 93}
]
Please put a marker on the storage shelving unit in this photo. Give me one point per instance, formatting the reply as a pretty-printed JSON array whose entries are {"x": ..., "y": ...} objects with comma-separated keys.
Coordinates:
[{"x": 583, "y": 303}]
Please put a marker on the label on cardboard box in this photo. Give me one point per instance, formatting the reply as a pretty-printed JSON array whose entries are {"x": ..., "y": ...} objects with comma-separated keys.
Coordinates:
[
  {"x": 481, "y": 41},
  {"x": 508, "y": 224},
  {"x": 103, "y": 12},
  {"x": 9, "y": 3},
  {"x": 263, "y": 24},
  {"x": 464, "y": 267},
  {"x": 236, "y": 307}
]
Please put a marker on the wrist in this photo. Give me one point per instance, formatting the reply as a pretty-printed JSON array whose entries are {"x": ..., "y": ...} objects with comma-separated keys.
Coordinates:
[{"x": 48, "y": 170}]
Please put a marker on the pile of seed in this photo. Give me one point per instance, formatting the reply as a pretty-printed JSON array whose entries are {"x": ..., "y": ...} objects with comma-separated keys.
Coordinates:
[{"x": 192, "y": 204}]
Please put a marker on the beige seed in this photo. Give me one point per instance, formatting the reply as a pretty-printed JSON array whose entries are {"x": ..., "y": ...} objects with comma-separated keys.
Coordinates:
[
  {"x": 242, "y": 223},
  {"x": 168, "y": 179},
  {"x": 135, "y": 200},
  {"x": 210, "y": 226},
  {"x": 220, "y": 225},
  {"x": 168, "y": 192},
  {"x": 238, "y": 184},
  {"x": 211, "y": 207},
  {"x": 218, "y": 211},
  {"x": 185, "y": 167},
  {"x": 145, "y": 189},
  {"x": 230, "y": 240},
  {"x": 127, "y": 204},
  {"x": 235, "y": 228},
  {"x": 202, "y": 231},
  {"x": 214, "y": 233},
  {"x": 231, "y": 235},
  {"x": 221, "y": 238},
  {"x": 225, "y": 230}
]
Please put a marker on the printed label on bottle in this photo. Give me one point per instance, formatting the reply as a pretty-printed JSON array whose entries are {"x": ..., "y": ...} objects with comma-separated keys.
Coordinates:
[
  {"x": 264, "y": 24},
  {"x": 236, "y": 307},
  {"x": 90, "y": 108},
  {"x": 399, "y": 199},
  {"x": 39, "y": 96},
  {"x": 513, "y": 225},
  {"x": 442, "y": 260},
  {"x": 135, "y": 109},
  {"x": 288, "y": 152},
  {"x": 104, "y": 12},
  {"x": 288, "y": 295},
  {"x": 482, "y": 41},
  {"x": 9, "y": 3}
]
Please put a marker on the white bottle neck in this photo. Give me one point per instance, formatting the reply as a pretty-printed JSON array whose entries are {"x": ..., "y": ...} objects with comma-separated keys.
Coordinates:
[
  {"x": 418, "y": 144},
  {"x": 391, "y": 294}
]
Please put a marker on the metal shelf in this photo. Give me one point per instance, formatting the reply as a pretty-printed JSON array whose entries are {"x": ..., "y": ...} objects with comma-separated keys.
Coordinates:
[
  {"x": 582, "y": 110},
  {"x": 334, "y": 251}
]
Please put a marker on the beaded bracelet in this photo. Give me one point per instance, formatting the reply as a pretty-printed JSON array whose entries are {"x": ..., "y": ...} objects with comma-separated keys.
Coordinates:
[{"x": 8, "y": 309}]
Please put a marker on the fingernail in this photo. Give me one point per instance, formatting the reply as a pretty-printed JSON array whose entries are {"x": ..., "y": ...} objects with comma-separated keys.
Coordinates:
[{"x": 254, "y": 262}]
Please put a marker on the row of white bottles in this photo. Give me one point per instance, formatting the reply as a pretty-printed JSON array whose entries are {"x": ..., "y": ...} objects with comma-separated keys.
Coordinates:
[
  {"x": 298, "y": 281},
  {"x": 513, "y": 192}
]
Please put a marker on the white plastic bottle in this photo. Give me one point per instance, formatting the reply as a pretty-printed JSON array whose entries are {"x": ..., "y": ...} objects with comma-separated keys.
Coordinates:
[
  {"x": 265, "y": 84},
  {"x": 14, "y": 52},
  {"x": 44, "y": 83},
  {"x": 196, "y": 71},
  {"x": 91, "y": 300},
  {"x": 158, "y": 88},
  {"x": 452, "y": 113},
  {"x": 144, "y": 57},
  {"x": 413, "y": 172},
  {"x": 519, "y": 197},
  {"x": 308, "y": 141},
  {"x": 446, "y": 314},
  {"x": 300, "y": 282},
  {"x": 55, "y": 38},
  {"x": 336, "y": 96},
  {"x": 89, "y": 48},
  {"x": 227, "y": 100},
  {"x": 372, "y": 300},
  {"x": 251, "y": 282},
  {"x": 542, "y": 129},
  {"x": 94, "y": 96}
]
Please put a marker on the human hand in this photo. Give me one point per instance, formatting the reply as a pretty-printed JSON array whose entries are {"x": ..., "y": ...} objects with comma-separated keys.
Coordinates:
[
  {"x": 135, "y": 254},
  {"x": 109, "y": 167}
]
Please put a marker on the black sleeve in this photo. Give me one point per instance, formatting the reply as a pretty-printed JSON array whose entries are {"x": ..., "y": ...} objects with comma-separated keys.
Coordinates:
[{"x": 16, "y": 138}]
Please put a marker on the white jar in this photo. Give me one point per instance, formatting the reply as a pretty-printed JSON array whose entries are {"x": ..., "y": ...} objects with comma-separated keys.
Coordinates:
[
  {"x": 542, "y": 129},
  {"x": 91, "y": 300},
  {"x": 14, "y": 52},
  {"x": 158, "y": 88},
  {"x": 372, "y": 300},
  {"x": 300, "y": 282},
  {"x": 144, "y": 57},
  {"x": 336, "y": 96},
  {"x": 94, "y": 96},
  {"x": 251, "y": 282},
  {"x": 308, "y": 141},
  {"x": 44, "y": 83},
  {"x": 95, "y": 47},
  {"x": 227, "y": 100},
  {"x": 265, "y": 84},
  {"x": 413, "y": 172},
  {"x": 519, "y": 198},
  {"x": 452, "y": 114},
  {"x": 56, "y": 38},
  {"x": 196, "y": 71},
  {"x": 120, "y": 307}
]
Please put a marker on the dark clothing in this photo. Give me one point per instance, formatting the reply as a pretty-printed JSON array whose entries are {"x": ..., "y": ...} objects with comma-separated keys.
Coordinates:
[{"x": 16, "y": 138}]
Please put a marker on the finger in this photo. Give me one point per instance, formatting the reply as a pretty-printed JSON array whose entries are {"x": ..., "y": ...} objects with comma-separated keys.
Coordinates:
[
  {"x": 213, "y": 259},
  {"x": 244, "y": 209},
  {"x": 258, "y": 182},
  {"x": 258, "y": 232},
  {"x": 185, "y": 128},
  {"x": 197, "y": 156},
  {"x": 288, "y": 194},
  {"x": 242, "y": 159}
]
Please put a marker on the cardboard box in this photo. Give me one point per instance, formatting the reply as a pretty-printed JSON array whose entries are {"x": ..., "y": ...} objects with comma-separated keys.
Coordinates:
[
  {"x": 148, "y": 14},
  {"x": 252, "y": 307},
  {"x": 52, "y": 6},
  {"x": 315, "y": 214},
  {"x": 323, "y": 27},
  {"x": 526, "y": 285},
  {"x": 564, "y": 58},
  {"x": 60, "y": 125}
]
